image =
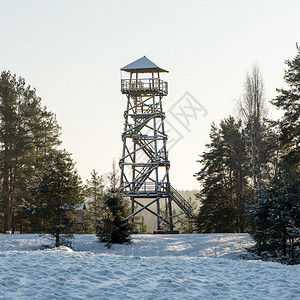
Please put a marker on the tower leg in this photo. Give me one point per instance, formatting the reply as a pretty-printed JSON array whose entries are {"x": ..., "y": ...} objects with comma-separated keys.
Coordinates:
[
  {"x": 132, "y": 211},
  {"x": 158, "y": 214},
  {"x": 170, "y": 213}
]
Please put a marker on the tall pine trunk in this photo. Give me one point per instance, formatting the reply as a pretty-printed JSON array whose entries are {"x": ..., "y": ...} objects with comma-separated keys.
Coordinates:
[{"x": 6, "y": 195}]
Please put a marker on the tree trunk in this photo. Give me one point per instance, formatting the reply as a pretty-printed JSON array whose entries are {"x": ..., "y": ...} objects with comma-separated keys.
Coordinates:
[
  {"x": 6, "y": 200},
  {"x": 57, "y": 239},
  {"x": 7, "y": 219},
  {"x": 284, "y": 244}
]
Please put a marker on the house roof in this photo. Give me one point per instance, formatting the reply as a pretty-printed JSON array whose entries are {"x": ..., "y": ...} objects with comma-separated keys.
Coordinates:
[
  {"x": 81, "y": 207},
  {"x": 142, "y": 65}
]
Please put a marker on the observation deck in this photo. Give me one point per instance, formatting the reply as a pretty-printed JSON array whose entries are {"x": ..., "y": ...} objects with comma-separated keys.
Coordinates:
[{"x": 144, "y": 86}]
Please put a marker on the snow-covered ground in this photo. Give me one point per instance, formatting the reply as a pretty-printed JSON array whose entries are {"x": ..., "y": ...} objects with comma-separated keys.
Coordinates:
[{"x": 209, "y": 266}]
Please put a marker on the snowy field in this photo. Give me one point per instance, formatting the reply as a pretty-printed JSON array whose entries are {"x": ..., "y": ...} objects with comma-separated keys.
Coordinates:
[{"x": 210, "y": 266}]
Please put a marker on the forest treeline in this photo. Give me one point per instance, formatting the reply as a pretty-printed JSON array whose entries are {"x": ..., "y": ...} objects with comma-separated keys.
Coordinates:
[{"x": 249, "y": 174}]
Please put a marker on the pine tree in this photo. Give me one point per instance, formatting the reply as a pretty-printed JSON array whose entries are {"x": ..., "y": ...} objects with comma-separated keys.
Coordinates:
[
  {"x": 94, "y": 190},
  {"x": 288, "y": 100},
  {"x": 113, "y": 228},
  {"x": 38, "y": 140},
  {"x": 224, "y": 190},
  {"x": 10, "y": 90},
  {"x": 28, "y": 140},
  {"x": 58, "y": 192}
]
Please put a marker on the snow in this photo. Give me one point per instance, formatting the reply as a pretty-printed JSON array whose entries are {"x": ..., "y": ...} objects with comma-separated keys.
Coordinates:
[{"x": 208, "y": 266}]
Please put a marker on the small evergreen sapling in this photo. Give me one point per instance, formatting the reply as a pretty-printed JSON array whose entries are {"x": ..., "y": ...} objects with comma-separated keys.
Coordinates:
[{"x": 113, "y": 229}]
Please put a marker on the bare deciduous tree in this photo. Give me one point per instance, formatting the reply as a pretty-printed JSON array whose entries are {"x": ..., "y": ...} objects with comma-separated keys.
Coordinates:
[{"x": 253, "y": 111}]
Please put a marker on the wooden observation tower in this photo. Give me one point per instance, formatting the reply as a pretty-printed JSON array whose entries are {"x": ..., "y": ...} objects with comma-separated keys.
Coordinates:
[{"x": 144, "y": 163}]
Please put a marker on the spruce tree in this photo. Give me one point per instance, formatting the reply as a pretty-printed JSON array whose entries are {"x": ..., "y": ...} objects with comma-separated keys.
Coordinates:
[
  {"x": 58, "y": 192},
  {"x": 113, "y": 228},
  {"x": 276, "y": 218}
]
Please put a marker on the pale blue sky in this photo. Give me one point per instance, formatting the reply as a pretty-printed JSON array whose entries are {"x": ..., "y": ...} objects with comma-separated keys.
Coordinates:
[{"x": 71, "y": 51}]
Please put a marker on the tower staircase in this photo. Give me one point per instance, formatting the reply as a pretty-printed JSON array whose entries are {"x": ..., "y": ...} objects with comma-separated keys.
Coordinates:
[{"x": 181, "y": 202}]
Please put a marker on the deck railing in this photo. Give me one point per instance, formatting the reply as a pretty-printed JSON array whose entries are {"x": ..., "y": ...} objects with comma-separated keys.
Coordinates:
[
  {"x": 144, "y": 85},
  {"x": 145, "y": 187}
]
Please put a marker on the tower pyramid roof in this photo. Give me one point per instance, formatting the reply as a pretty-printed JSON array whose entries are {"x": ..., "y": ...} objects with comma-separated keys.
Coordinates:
[{"x": 142, "y": 65}]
